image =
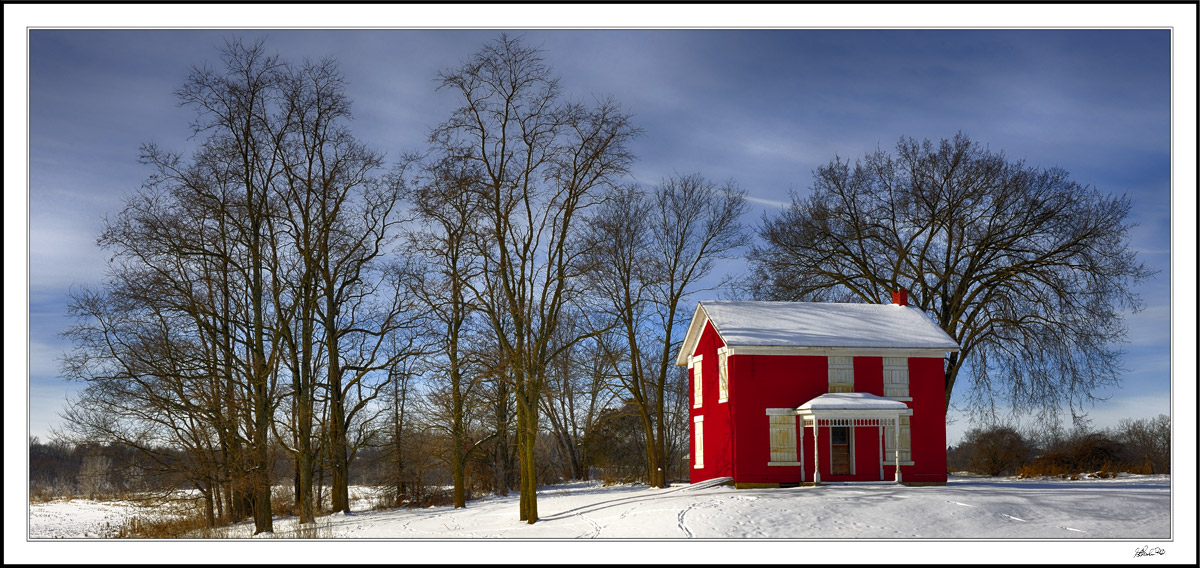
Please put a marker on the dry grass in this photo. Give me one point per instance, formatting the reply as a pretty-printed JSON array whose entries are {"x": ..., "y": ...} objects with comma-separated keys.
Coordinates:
[{"x": 166, "y": 526}]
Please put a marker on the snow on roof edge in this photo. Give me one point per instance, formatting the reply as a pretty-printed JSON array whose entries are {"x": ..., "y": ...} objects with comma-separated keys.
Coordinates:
[{"x": 822, "y": 325}]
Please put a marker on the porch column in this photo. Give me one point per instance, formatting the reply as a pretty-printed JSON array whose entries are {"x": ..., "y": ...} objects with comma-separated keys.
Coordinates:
[
  {"x": 800, "y": 437},
  {"x": 897, "y": 448},
  {"x": 816, "y": 450},
  {"x": 881, "y": 439}
]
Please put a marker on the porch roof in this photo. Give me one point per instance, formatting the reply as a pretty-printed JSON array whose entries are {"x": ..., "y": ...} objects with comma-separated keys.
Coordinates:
[{"x": 850, "y": 401}]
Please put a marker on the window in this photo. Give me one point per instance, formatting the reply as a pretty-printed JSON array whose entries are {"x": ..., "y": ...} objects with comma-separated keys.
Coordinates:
[
  {"x": 895, "y": 377},
  {"x": 697, "y": 382},
  {"x": 889, "y": 437},
  {"x": 783, "y": 439},
  {"x": 841, "y": 374},
  {"x": 723, "y": 375},
  {"x": 699, "y": 450}
]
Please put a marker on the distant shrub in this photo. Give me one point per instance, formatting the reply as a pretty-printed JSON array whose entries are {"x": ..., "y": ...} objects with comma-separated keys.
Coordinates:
[
  {"x": 995, "y": 450},
  {"x": 1094, "y": 455}
]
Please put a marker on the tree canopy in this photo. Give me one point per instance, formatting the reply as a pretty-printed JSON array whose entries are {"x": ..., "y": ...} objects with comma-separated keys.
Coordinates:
[{"x": 1031, "y": 272}]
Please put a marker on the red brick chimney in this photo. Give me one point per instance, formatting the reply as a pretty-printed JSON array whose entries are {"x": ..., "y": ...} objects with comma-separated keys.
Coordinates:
[{"x": 900, "y": 297}]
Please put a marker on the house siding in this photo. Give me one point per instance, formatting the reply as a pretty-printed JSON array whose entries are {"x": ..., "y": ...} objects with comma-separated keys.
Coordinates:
[
  {"x": 926, "y": 385},
  {"x": 759, "y": 382}
]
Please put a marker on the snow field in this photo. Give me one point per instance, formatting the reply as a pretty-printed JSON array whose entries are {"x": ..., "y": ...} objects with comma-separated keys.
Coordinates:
[{"x": 1129, "y": 507}]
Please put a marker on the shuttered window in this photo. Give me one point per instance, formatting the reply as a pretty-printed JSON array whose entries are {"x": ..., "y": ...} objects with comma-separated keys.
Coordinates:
[
  {"x": 699, "y": 449},
  {"x": 841, "y": 374},
  {"x": 723, "y": 376},
  {"x": 895, "y": 377},
  {"x": 697, "y": 382},
  {"x": 889, "y": 437},
  {"x": 783, "y": 438}
]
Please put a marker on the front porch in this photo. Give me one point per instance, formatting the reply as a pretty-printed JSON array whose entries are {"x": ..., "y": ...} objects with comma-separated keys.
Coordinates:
[{"x": 839, "y": 422}]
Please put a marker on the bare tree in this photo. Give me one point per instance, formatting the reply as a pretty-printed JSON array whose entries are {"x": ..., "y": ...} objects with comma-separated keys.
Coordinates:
[
  {"x": 649, "y": 253},
  {"x": 578, "y": 389},
  {"x": 237, "y": 107},
  {"x": 341, "y": 220},
  {"x": 1026, "y": 269},
  {"x": 262, "y": 257},
  {"x": 1149, "y": 440},
  {"x": 450, "y": 212},
  {"x": 539, "y": 163}
]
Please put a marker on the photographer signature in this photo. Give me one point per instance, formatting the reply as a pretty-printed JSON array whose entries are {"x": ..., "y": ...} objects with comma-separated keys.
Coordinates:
[{"x": 1147, "y": 551}]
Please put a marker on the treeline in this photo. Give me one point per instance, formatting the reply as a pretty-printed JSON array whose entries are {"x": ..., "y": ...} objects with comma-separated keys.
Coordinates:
[
  {"x": 497, "y": 310},
  {"x": 1134, "y": 446}
]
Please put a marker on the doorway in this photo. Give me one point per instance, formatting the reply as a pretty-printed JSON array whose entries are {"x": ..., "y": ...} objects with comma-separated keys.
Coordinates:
[{"x": 839, "y": 440}]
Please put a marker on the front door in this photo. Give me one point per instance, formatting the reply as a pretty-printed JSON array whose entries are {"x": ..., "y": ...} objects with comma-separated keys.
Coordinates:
[{"x": 839, "y": 439}]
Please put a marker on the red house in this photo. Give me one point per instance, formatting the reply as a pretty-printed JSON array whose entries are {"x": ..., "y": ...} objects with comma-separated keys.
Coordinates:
[{"x": 786, "y": 393}]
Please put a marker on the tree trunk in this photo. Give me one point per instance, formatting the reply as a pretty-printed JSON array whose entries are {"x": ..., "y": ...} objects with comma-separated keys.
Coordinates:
[{"x": 522, "y": 418}]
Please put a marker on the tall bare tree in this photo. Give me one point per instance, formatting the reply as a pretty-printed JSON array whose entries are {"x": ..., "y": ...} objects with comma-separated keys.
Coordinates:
[
  {"x": 449, "y": 212},
  {"x": 237, "y": 107},
  {"x": 1029, "y": 271},
  {"x": 649, "y": 253},
  {"x": 540, "y": 162},
  {"x": 342, "y": 217}
]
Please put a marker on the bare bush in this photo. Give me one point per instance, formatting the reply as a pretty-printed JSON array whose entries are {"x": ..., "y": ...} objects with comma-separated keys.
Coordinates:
[
  {"x": 997, "y": 450},
  {"x": 93, "y": 476}
]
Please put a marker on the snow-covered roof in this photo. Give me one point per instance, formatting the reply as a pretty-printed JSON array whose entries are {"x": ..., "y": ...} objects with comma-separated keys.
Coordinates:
[
  {"x": 852, "y": 401},
  {"x": 816, "y": 324}
]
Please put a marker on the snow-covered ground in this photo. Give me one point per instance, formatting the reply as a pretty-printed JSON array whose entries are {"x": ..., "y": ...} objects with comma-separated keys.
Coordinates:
[
  {"x": 1130, "y": 508},
  {"x": 970, "y": 520}
]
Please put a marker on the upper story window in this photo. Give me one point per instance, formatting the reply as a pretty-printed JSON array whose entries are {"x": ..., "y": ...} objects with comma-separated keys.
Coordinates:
[
  {"x": 697, "y": 381},
  {"x": 723, "y": 375},
  {"x": 895, "y": 377},
  {"x": 841, "y": 374}
]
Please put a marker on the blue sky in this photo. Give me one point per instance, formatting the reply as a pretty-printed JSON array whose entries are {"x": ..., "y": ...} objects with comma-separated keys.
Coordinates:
[{"x": 762, "y": 107}]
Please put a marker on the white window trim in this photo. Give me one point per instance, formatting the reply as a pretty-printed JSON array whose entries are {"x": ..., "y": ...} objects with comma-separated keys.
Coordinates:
[
  {"x": 696, "y": 365},
  {"x": 699, "y": 442},
  {"x": 722, "y": 375}
]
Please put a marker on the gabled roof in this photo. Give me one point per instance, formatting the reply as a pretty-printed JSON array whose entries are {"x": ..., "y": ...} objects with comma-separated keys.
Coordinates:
[{"x": 816, "y": 325}]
